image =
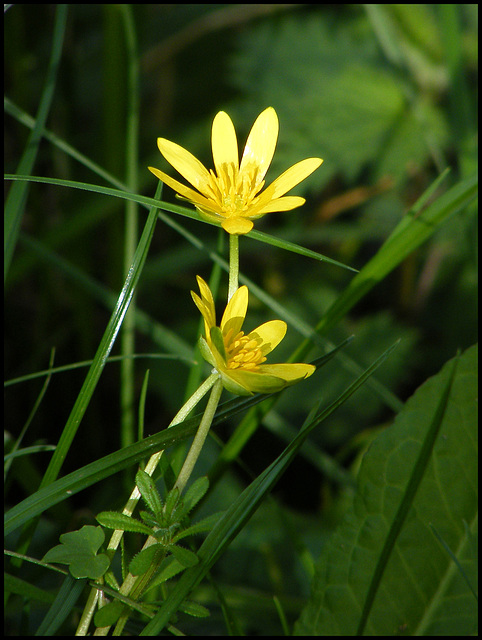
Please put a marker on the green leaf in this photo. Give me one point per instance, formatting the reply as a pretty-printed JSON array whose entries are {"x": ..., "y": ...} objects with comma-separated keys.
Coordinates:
[
  {"x": 172, "y": 208},
  {"x": 206, "y": 524},
  {"x": 206, "y": 351},
  {"x": 218, "y": 341},
  {"x": 195, "y": 493},
  {"x": 194, "y": 609},
  {"x": 78, "y": 549},
  {"x": 108, "y": 614},
  {"x": 141, "y": 562},
  {"x": 62, "y": 606},
  {"x": 121, "y": 521},
  {"x": 149, "y": 492},
  {"x": 384, "y": 572},
  {"x": 107, "y": 466},
  {"x": 172, "y": 500},
  {"x": 170, "y": 567},
  {"x": 184, "y": 556},
  {"x": 149, "y": 519}
]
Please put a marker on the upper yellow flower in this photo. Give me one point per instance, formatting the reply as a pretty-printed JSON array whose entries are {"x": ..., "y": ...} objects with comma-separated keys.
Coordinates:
[
  {"x": 239, "y": 358},
  {"x": 232, "y": 196}
]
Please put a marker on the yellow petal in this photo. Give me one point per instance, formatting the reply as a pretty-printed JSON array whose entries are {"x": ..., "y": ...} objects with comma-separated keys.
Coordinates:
[
  {"x": 269, "y": 334},
  {"x": 224, "y": 143},
  {"x": 235, "y": 312},
  {"x": 237, "y": 226},
  {"x": 261, "y": 143},
  {"x": 206, "y": 314},
  {"x": 293, "y": 176},
  {"x": 291, "y": 373},
  {"x": 205, "y": 292},
  {"x": 185, "y": 192},
  {"x": 205, "y": 304},
  {"x": 287, "y": 203},
  {"x": 185, "y": 163}
]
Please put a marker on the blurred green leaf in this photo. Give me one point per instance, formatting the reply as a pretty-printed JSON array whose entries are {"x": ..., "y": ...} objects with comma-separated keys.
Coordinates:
[
  {"x": 415, "y": 228},
  {"x": 103, "y": 350},
  {"x": 194, "y": 609},
  {"x": 336, "y": 97},
  {"x": 384, "y": 572}
]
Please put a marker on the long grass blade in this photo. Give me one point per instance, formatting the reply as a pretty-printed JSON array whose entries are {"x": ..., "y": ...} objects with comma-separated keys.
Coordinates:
[
  {"x": 172, "y": 208},
  {"x": 103, "y": 352}
]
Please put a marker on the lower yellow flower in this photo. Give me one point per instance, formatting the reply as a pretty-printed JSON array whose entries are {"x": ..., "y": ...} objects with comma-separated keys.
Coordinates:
[{"x": 240, "y": 358}]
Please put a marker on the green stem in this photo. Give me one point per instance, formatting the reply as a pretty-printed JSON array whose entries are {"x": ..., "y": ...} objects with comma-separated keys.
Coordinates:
[
  {"x": 200, "y": 436},
  {"x": 233, "y": 265}
]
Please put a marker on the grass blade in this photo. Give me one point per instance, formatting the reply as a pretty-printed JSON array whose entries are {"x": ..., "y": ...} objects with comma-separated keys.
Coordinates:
[
  {"x": 103, "y": 352},
  {"x": 172, "y": 208}
]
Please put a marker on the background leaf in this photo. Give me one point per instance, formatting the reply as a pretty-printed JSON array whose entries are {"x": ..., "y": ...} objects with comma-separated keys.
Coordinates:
[{"x": 384, "y": 572}]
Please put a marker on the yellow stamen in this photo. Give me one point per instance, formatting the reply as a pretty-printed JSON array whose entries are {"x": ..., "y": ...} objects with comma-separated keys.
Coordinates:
[{"x": 242, "y": 352}]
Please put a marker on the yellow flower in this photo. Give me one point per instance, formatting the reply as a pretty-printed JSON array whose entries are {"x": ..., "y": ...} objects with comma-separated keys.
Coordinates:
[
  {"x": 233, "y": 195},
  {"x": 239, "y": 358}
]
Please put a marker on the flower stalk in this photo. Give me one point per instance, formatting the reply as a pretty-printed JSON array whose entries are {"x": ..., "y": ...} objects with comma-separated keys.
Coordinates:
[
  {"x": 233, "y": 265},
  {"x": 200, "y": 436}
]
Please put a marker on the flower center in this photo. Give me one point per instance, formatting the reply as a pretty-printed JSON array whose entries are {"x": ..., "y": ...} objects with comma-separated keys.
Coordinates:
[
  {"x": 242, "y": 352},
  {"x": 234, "y": 191}
]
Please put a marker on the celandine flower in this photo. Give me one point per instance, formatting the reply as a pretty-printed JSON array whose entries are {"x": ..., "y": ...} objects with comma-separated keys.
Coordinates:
[
  {"x": 233, "y": 194},
  {"x": 240, "y": 358}
]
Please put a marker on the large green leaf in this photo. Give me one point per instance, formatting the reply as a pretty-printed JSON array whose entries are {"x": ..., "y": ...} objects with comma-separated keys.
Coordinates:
[{"x": 403, "y": 561}]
